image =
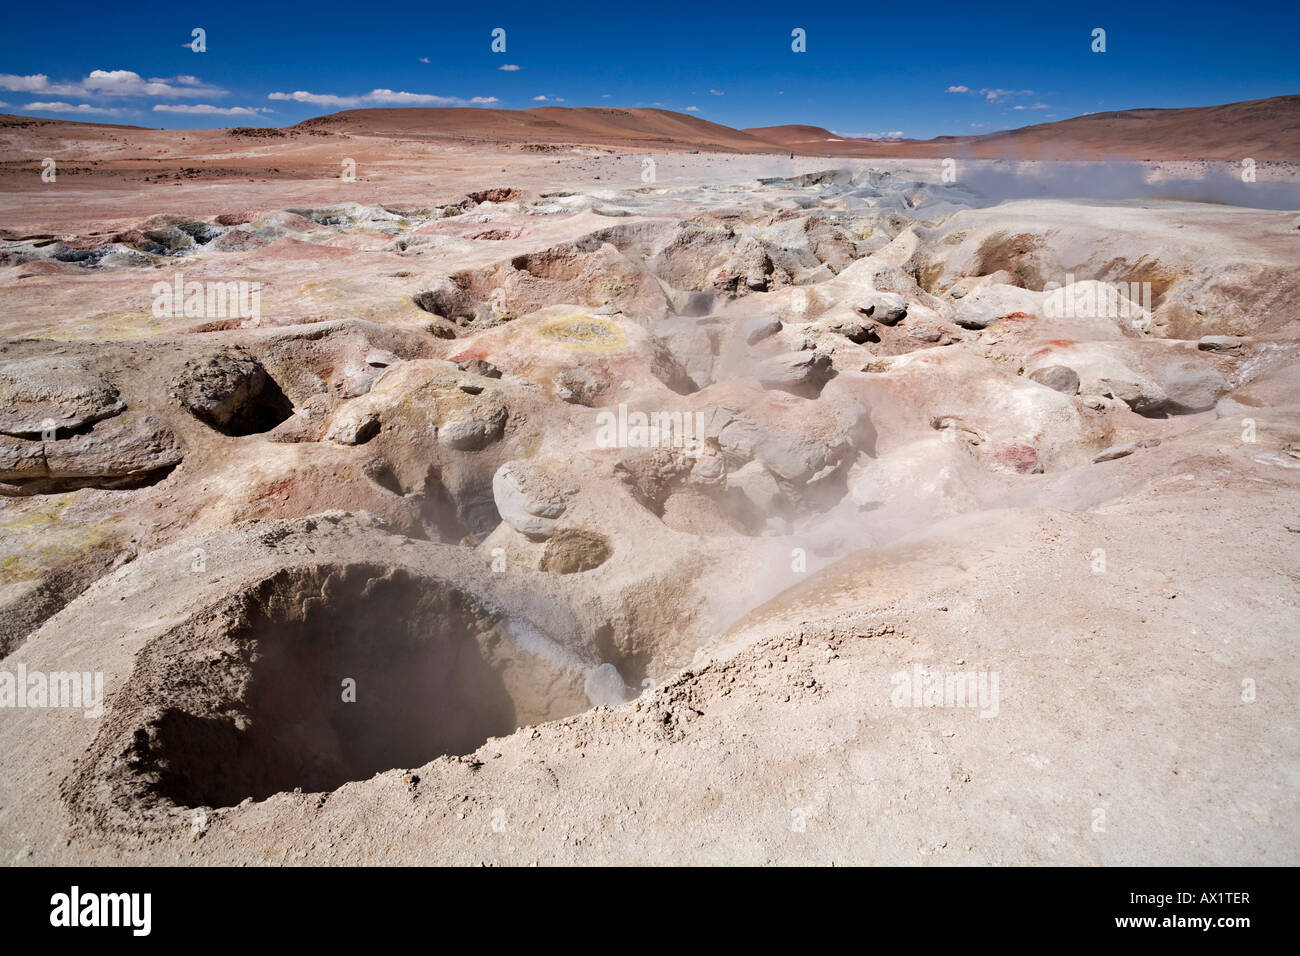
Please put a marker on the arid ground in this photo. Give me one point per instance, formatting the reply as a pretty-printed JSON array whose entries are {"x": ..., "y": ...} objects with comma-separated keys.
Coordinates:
[{"x": 578, "y": 486}]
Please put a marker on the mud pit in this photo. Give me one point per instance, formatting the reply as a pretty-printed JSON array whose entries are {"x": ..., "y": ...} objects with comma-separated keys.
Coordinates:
[
  {"x": 421, "y": 658},
  {"x": 320, "y": 676}
]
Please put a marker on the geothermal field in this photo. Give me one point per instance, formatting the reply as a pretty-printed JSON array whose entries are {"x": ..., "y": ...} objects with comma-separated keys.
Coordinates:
[{"x": 572, "y": 486}]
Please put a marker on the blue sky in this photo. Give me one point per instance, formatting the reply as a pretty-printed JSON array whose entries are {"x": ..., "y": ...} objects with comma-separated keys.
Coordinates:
[{"x": 915, "y": 69}]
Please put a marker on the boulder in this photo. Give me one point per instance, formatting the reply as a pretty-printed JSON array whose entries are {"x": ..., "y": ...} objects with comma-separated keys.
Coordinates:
[
  {"x": 798, "y": 459},
  {"x": 231, "y": 392},
  {"x": 1122, "y": 451},
  {"x": 354, "y": 426},
  {"x": 528, "y": 499},
  {"x": 1192, "y": 385},
  {"x": 1059, "y": 378},
  {"x": 21, "y": 459},
  {"x": 757, "y": 486},
  {"x": 1218, "y": 343},
  {"x": 981, "y": 308},
  {"x": 887, "y": 308},
  {"x": 1114, "y": 370},
  {"x": 926, "y": 333},
  {"x": 973, "y": 314},
  {"x": 122, "y": 448},
  {"x": 758, "y": 327},
  {"x": 57, "y": 393},
  {"x": 796, "y": 372},
  {"x": 476, "y": 431},
  {"x": 689, "y": 347},
  {"x": 852, "y": 325},
  {"x": 479, "y": 367},
  {"x": 1134, "y": 389}
]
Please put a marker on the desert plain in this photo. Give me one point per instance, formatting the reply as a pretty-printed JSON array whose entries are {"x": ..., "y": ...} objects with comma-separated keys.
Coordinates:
[{"x": 608, "y": 486}]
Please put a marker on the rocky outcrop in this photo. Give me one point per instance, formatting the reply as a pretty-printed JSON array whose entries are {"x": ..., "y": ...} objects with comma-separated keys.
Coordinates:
[
  {"x": 117, "y": 453},
  {"x": 232, "y": 392},
  {"x": 528, "y": 499},
  {"x": 47, "y": 395}
]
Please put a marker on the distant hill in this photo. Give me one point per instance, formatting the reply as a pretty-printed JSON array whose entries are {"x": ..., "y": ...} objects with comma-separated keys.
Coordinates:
[
  {"x": 649, "y": 128},
  {"x": 793, "y": 135},
  {"x": 1260, "y": 129},
  {"x": 1264, "y": 130},
  {"x": 14, "y": 121}
]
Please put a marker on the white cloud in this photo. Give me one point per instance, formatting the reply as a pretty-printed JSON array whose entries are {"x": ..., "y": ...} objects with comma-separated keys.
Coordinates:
[
  {"x": 539, "y": 99},
  {"x": 378, "y": 98},
  {"x": 60, "y": 107},
  {"x": 25, "y": 84},
  {"x": 424, "y": 59},
  {"x": 484, "y": 100},
  {"x": 316, "y": 99},
  {"x": 716, "y": 93},
  {"x": 692, "y": 109},
  {"x": 991, "y": 94},
  {"x": 130, "y": 83},
  {"x": 110, "y": 83},
  {"x": 116, "y": 82},
  {"x": 205, "y": 109},
  {"x": 2, "y": 103},
  {"x": 510, "y": 67},
  {"x": 402, "y": 98}
]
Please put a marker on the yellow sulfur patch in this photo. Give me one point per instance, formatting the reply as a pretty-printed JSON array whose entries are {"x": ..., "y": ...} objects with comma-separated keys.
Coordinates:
[{"x": 587, "y": 333}]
